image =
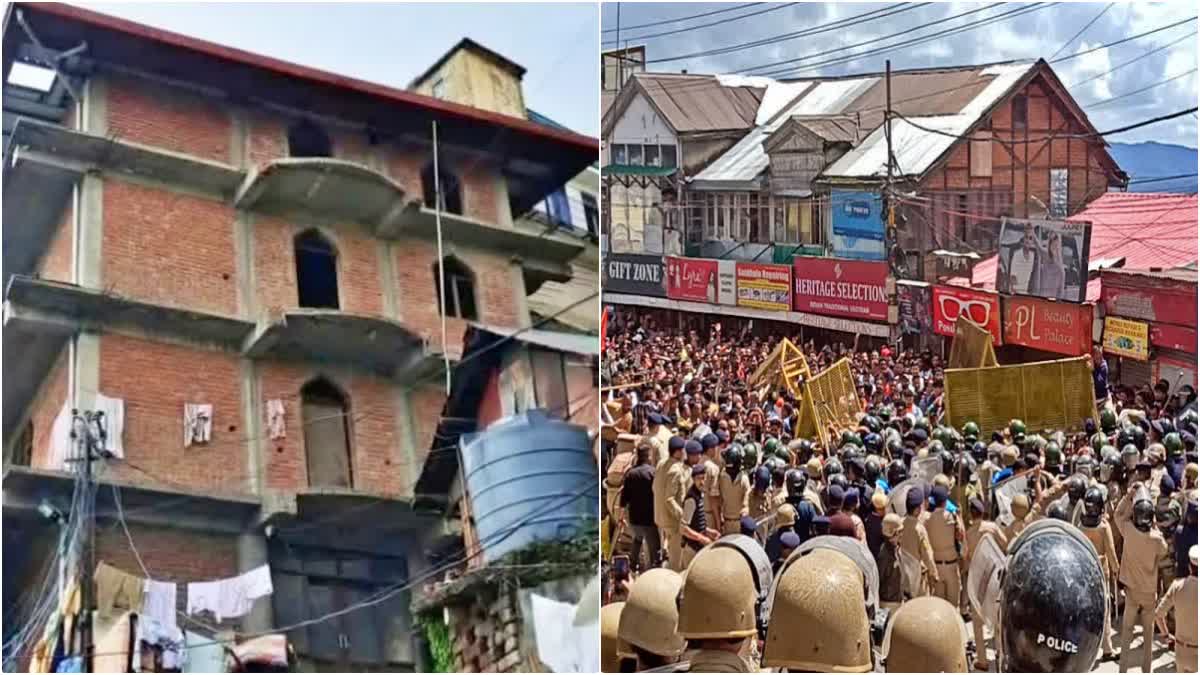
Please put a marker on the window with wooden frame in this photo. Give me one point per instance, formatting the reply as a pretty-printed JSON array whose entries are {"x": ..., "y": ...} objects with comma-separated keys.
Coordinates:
[
  {"x": 1020, "y": 111},
  {"x": 459, "y": 298}
]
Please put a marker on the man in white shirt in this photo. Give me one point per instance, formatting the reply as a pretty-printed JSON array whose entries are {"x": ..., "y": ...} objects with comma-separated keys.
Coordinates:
[{"x": 1023, "y": 264}]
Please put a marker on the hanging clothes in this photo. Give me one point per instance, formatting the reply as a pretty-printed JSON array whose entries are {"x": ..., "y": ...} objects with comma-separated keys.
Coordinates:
[
  {"x": 197, "y": 423},
  {"x": 157, "y": 647},
  {"x": 116, "y": 589},
  {"x": 276, "y": 419},
  {"x": 231, "y": 597},
  {"x": 113, "y": 423},
  {"x": 159, "y": 602}
]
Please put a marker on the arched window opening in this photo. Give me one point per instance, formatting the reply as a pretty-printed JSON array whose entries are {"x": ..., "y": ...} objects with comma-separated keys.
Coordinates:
[
  {"x": 326, "y": 434},
  {"x": 459, "y": 298},
  {"x": 451, "y": 194},
  {"x": 316, "y": 271},
  {"x": 306, "y": 139}
]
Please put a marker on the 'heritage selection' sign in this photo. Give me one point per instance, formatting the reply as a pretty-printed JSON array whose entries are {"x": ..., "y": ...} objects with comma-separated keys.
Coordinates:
[{"x": 833, "y": 287}]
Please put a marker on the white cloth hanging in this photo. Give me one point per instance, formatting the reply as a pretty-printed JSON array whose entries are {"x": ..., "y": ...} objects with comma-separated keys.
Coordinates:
[
  {"x": 158, "y": 602},
  {"x": 276, "y": 422},
  {"x": 231, "y": 597},
  {"x": 197, "y": 423},
  {"x": 114, "y": 423}
]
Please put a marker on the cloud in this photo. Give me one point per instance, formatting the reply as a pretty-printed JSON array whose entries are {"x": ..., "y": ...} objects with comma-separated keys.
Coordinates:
[{"x": 1038, "y": 33}]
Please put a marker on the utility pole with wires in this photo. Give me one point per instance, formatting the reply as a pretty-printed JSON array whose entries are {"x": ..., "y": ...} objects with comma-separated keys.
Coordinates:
[{"x": 93, "y": 444}]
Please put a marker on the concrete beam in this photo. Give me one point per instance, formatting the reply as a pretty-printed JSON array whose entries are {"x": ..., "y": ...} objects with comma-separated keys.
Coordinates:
[
  {"x": 387, "y": 279},
  {"x": 252, "y": 416},
  {"x": 90, "y": 233},
  {"x": 243, "y": 238}
]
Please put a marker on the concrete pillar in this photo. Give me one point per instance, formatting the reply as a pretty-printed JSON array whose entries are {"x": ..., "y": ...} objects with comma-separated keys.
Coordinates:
[
  {"x": 252, "y": 552},
  {"x": 504, "y": 215},
  {"x": 243, "y": 241},
  {"x": 253, "y": 423},
  {"x": 406, "y": 434},
  {"x": 520, "y": 296},
  {"x": 239, "y": 136},
  {"x": 387, "y": 279}
]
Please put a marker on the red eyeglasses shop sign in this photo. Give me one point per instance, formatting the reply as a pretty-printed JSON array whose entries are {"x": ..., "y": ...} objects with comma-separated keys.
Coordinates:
[
  {"x": 979, "y": 307},
  {"x": 1060, "y": 327},
  {"x": 850, "y": 288}
]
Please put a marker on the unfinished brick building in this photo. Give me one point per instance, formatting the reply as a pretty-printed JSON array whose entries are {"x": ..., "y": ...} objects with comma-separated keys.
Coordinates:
[{"x": 189, "y": 225}]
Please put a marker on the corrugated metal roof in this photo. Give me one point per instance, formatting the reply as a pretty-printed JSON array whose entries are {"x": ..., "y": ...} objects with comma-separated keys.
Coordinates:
[
  {"x": 700, "y": 102},
  {"x": 1148, "y": 230},
  {"x": 949, "y": 100},
  {"x": 832, "y": 129},
  {"x": 916, "y": 149},
  {"x": 573, "y": 343}
]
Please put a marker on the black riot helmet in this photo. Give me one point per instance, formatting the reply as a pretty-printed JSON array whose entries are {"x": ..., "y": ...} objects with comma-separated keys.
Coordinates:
[
  {"x": 979, "y": 452},
  {"x": 1093, "y": 506},
  {"x": 947, "y": 458},
  {"x": 1058, "y": 511},
  {"x": 896, "y": 472},
  {"x": 872, "y": 469},
  {"x": 964, "y": 469},
  {"x": 1143, "y": 510},
  {"x": 1052, "y": 602},
  {"x": 840, "y": 480},
  {"x": 1076, "y": 486},
  {"x": 832, "y": 468},
  {"x": 796, "y": 481}
]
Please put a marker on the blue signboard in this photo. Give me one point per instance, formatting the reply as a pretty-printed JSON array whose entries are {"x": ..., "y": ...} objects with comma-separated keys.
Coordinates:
[{"x": 857, "y": 225}]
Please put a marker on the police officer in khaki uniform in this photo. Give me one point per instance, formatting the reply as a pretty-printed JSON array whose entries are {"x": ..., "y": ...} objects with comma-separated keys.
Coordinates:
[
  {"x": 914, "y": 540},
  {"x": 712, "y": 479},
  {"x": 654, "y": 437},
  {"x": 818, "y": 619},
  {"x": 926, "y": 635},
  {"x": 735, "y": 492},
  {"x": 1020, "y": 517},
  {"x": 611, "y": 648},
  {"x": 648, "y": 620},
  {"x": 718, "y": 613},
  {"x": 670, "y": 488},
  {"x": 1144, "y": 546},
  {"x": 980, "y": 527},
  {"x": 946, "y": 533},
  {"x": 1182, "y": 598},
  {"x": 1095, "y": 527}
]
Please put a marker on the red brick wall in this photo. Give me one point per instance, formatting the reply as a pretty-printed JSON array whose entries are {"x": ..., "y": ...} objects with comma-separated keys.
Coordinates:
[
  {"x": 169, "y": 248},
  {"x": 479, "y": 188},
  {"x": 275, "y": 267},
  {"x": 376, "y": 463},
  {"x": 155, "y": 380},
  {"x": 495, "y": 296},
  {"x": 167, "y": 117},
  {"x": 55, "y": 265},
  {"x": 171, "y": 554},
  {"x": 426, "y": 404},
  {"x": 266, "y": 138},
  {"x": 45, "y": 408}
]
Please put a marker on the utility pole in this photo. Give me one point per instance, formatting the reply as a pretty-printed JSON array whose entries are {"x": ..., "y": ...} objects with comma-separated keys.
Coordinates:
[
  {"x": 87, "y": 552},
  {"x": 887, "y": 133}
]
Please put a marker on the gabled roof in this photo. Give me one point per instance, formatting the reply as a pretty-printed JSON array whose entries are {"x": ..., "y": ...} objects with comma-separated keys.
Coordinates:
[
  {"x": 953, "y": 100},
  {"x": 470, "y": 45},
  {"x": 692, "y": 103}
]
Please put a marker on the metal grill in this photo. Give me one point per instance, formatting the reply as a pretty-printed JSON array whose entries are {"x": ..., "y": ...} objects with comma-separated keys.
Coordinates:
[
  {"x": 1046, "y": 395},
  {"x": 972, "y": 347}
]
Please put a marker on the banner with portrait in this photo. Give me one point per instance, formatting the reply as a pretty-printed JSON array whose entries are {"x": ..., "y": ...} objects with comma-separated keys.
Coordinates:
[{"x": 1045, "y": 258}]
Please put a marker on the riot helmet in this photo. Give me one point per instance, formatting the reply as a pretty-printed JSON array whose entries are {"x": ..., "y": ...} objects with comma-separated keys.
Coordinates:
[
  {"x": 1108, "y": 420},
  {"x": 718, "y": 599},
  {"x": 1052, "y": 601},
  {"x": 926, "y": 635},
  {"x": 733, "y": 457},
  {"x": 611, "y": 648},
  {"x": 1143, "y": 509},
  {"x": 896, "y": 472},
  {"x": 1076, "y": 486},
  {"x": 1093, "y": 506},
  {"x": 970, "y": 432},
  {"x": 796, "y": 481},
  {"x": 1129, "y": 456},
  {"x": 979, "y": 452},
  {"x": 651, "y": 613},
  {"x": 832, "y": 467},
  {"x": 872, "y": 469}
]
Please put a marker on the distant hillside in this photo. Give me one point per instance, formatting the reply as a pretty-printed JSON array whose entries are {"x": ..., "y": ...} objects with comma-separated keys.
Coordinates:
[{"x": 1155, "y": 160}]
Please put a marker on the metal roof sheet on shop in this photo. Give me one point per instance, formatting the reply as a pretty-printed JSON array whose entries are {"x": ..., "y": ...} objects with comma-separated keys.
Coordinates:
[
  {"x": 571, "y": 343},
  {"x": 1147, "y": 230},
  {"x": 747, "y": 159},
  {"x": 948, "y": 100},
  {"x": 701, "y": 102}
]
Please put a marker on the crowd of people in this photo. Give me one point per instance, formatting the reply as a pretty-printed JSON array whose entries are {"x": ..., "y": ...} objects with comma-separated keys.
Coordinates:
[{"x": 735, "y": 544}]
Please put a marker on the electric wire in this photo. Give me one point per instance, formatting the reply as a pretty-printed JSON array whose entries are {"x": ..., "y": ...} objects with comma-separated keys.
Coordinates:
[
  {"x": 1083, "y": 30},
  {"x": 773, "y": 7},
  {"x": 682, "y": 18}
]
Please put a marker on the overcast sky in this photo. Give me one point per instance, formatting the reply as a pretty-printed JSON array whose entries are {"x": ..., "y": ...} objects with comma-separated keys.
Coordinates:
[
  {"x": 1040, "y": 33},
  {"x": 392, "y": 43}
]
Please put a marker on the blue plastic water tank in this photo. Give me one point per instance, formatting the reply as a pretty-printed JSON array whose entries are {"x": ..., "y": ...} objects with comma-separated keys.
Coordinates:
[{"x": 531, "y": 478}]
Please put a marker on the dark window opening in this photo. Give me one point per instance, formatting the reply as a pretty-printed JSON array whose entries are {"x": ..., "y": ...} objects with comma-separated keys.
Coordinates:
[
  {"x": 962, "y": 220},
  {"x": 326, "y": 434},
  {"x": 306, "y": 139},
  {"x": 592, "y": 213},
  {"x": 316, "y": 271},
  {"x": 1020, "y": 111},
  {"x": 23, "y": 450},
  {"x": 459, "y": 299},
  {"x": 450, "y": 198}
]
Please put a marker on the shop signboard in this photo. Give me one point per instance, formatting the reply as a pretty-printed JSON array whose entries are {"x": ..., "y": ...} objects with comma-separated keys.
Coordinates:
[
  {"x": 1125, "y": 337},
  {"x": 981, "y": 308},
  {"x": 764, "y": 286},
  {"x": 857, "y": 225},
  {"x": 1059, "y": 327},
  {"x": 693, "y": 279},
  {"x": 1044, "y": 258},
  {"x": 1149, "y": 298},
  {"x": 634, "y": 274},
  {"x": 727, "y": 282},
  {"x": 1169, "y": 336},
  {"x": 835, "y": 287}
]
